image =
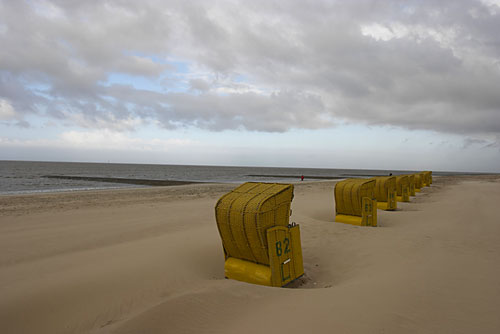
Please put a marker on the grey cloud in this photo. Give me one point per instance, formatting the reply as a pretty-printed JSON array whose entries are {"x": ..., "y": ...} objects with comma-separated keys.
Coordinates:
[
  {"x": 494, "y": 143},
  {"x": 23, "y": 124},
  {"x": 207, "y": 110},
  {"x": 468, "y": 142},
  {"x": 481, "y": 143},
  {"x": 140, "y": 66},
  {"x": 199, "y": 84},
  {"x": 310, "y": 62}
]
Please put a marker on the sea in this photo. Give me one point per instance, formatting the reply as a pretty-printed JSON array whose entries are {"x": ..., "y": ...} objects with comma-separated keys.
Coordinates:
[{"x": 20, "y": 177}]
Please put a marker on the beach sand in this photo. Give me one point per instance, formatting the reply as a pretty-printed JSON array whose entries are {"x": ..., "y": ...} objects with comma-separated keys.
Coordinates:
[{"x": 151, "y": 261}]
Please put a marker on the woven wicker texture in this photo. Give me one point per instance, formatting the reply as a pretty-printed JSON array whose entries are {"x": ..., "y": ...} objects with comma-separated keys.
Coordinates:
[
  {"x": 349, "y": 194},
  {"x": 244, "y": 214},
  {"x": 384, "y": 185}
]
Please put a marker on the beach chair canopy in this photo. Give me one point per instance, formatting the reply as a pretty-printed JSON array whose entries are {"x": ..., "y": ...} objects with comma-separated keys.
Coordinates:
[
  {"x": 245, "y": 214},
  {"x": 384, "y": 185},
  {"x": 402, "y": 181},
  {"x": 349, "y": 194}
]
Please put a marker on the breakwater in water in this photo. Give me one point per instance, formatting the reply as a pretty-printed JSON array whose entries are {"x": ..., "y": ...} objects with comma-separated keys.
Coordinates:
[{"x": 143, "y": 182}]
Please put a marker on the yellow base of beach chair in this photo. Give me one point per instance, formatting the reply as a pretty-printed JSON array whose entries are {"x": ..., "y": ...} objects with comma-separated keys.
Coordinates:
[
  {"x": 246, "y": 271},
  {"x": 346, "y": 219},
  {"x": 285, "y": 260},
  {"x": 386, "y": 206},
  {"x": 403, "y": 198},
  {"x": 368, "y": 218}
]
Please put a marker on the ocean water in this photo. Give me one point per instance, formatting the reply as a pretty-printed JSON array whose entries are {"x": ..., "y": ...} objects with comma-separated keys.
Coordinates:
[{"x": 30, "y": 176}]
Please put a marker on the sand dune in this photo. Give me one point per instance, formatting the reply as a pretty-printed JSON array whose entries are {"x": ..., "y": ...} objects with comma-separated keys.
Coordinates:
[{"x": 150, "y": 261}]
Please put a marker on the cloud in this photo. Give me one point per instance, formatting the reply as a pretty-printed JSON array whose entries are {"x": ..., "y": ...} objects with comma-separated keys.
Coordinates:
[
  {"x": 258, "y": 66},
  {"x": 9, "y": 116},
  {"x": 481, "y": 143},
  {"x": 6, "y": 111},
  {"x": 140, "y": 66},
  {"x": 102, "y": 140},
  {"x": 468, "y": 142},
  {"x": 112, "y": 140},
  {"x": 493, "y": 143}
]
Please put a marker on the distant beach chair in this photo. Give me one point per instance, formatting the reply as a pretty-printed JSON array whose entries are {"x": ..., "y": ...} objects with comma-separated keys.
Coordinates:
[
  {"x": 427, "y": 178},
  {"x": 403, "y": 188},
  {"x": 419, "y": 182},
  {"x": 355, "y": 202},
  {"x": 411, "y": 183},
  {"x": 386, "y": 192},
  {"x": 423, "y": 177},
  {"x": 260, "y": 246}
]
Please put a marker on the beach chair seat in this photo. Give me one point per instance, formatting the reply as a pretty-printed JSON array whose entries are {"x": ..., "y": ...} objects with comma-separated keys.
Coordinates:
[
  {"x": 260, "y": 245},
  {"x": 355, "y": 203}
]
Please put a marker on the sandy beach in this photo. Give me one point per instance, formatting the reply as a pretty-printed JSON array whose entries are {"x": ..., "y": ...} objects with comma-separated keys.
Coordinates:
[{"x": 151, "y": 261}]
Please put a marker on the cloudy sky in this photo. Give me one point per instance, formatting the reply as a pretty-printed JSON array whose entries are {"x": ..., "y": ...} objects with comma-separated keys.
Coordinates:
[{"x": 333, "y": 84}]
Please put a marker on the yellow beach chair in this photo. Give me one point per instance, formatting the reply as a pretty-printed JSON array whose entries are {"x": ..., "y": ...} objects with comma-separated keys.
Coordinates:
[
  {"x": 403, "y": 188},
  {"x": 355, "y": 202},
  {"x": 428, "y": 178},
  {"x": 385, "y": 192},
  {"x": 260, "y": 246},
  {"x": 411, "y": 183},
  {"x": 419, "y": 182}
]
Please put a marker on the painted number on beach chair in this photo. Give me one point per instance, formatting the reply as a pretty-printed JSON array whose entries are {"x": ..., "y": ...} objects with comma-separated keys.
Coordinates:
[{"x": 279, "y": 250}]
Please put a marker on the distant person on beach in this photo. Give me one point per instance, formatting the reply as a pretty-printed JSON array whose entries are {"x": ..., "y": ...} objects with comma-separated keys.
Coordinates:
[
  {"x": 390, "y": 174},
  {"x": 302, "y": 178}
]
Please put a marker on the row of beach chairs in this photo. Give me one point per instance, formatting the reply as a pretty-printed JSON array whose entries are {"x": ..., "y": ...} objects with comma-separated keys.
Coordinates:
[
  {"x": 262, "y": 247},
  {"x": 357, "y": 200}
]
